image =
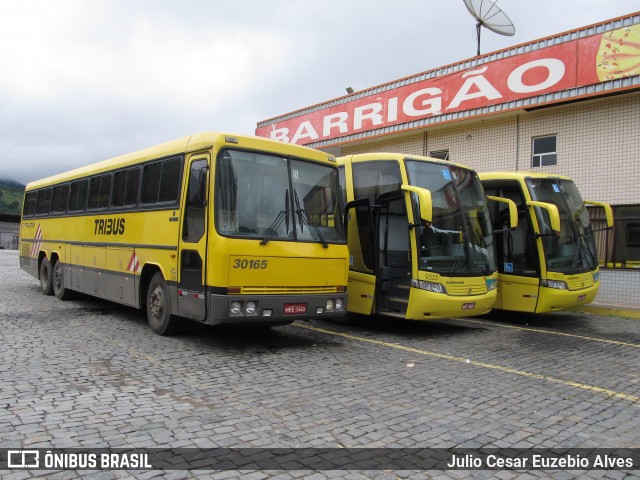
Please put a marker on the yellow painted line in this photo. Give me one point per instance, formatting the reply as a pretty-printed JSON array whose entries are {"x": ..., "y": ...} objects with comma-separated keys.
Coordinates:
[
  {"x": 550, "y": 332},
  {"x": 570, "y": 383}
]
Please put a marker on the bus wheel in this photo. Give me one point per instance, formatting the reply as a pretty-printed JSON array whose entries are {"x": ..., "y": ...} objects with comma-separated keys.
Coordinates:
[
  {"x": 59, "y": 290},
  {"x": 46, "y": 283},
  {"x": 159, "y": 307}
]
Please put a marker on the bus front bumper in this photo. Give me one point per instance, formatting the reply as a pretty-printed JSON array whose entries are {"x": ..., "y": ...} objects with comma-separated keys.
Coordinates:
[
  {"x": 431, "y": 306},
  {"x": 273, "y": 309},
  {"x": 551, "y": 299}
]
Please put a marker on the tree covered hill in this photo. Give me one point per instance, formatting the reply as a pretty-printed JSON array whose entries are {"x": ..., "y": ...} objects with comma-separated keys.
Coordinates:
[{"x": 11, "y": 194}]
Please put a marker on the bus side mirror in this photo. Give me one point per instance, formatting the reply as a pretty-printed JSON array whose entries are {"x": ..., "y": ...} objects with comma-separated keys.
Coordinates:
[
  {"x": 607, "y": 211},
  {"x": 424, "y": 197},
  {"x": 554, "y": 215},
  {"x": 513, "y": 210}
]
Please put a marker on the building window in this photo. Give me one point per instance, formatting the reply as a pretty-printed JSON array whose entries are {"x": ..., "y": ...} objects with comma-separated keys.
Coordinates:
[
  {"x": 441, "y": 154},
  {"x": 544, "y": 151},
  {"x": 633, "y": 234}
]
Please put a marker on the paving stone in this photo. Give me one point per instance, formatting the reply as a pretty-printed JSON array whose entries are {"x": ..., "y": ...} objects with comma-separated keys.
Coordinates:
[{"x": 88, "y": 373}]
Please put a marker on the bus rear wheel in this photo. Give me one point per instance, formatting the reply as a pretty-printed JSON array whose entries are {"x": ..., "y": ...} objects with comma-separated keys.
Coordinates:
[
  {"x": 159, "y": 314},
  {"x": 46, "y": 282},
  {"x": 59, "y": 290}
]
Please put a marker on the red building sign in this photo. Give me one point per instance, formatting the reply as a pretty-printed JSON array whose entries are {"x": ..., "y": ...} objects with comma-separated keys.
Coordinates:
[{"x": 589, "y": 60}]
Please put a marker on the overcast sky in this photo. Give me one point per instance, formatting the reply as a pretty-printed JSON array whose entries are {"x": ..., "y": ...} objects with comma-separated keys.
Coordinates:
[{"x": 86, "y": 80}]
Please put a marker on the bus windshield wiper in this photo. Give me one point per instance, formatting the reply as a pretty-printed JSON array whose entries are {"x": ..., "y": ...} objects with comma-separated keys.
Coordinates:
[
  {"x": 581, "y": 244},
  {"x": 303, "y": 218},
  {"x": 282, "y": 215}
]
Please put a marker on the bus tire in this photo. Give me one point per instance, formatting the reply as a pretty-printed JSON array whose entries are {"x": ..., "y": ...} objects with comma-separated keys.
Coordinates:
[
  {"x": 159, "y": 314},
  {"x": 46, "y": 277},
  {"x": 59, "y": 290}
]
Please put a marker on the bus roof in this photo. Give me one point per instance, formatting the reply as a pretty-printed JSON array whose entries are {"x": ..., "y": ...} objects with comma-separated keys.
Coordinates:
[
  {"x": 193, "y": 143},
  {"x": 364, "y": 157},
  {"x": 519, "y": 175}
]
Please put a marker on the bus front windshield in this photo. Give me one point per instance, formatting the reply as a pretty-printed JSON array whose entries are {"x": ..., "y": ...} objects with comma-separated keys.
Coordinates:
[
  {"x": 269, "y": 197},
  {"x": 459, "y": 240},
  {"x": 574, "y": 250}
]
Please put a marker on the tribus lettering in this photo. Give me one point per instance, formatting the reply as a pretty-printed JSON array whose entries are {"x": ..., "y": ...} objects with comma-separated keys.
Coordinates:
[{"x": 109, "y": 226}]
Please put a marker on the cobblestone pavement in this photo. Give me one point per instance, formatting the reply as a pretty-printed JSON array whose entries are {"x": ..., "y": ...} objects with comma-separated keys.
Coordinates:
[{"x": 88, "y": 373}]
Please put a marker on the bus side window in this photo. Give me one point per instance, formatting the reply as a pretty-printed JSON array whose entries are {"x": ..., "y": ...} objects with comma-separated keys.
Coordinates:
[
  {"x": 161, "y": 181},
  {"x": 126, "y": 184},
  {"x": 78, "y": 195},
  {"x": 29, "y": 204},
  {"x": 60, "y": 198},
  {"x": 44, "y": 201},
  {"x": 99, "y": 192}
]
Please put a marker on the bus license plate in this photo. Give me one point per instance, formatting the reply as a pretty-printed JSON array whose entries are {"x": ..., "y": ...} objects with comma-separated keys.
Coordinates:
[
  {"x": 293, "y": 308},
  {"x": 469, "y": 306}
]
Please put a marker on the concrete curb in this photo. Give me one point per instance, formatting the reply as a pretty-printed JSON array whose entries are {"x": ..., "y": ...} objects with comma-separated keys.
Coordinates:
[{"x": 618, "y": 310}]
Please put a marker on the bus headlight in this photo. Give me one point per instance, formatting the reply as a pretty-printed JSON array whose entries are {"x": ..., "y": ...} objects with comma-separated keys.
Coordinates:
[
  {"x": 557, "y": 284},
  {"x": 328, "y": 306},
  {"x": 339, "y": 305},
  {"x": 492, "y": 284},
  {"x": 250, "y": 308},
  {"x": 235, "y": 308},
  {"x": 596, "y": 277},
  {"x": 428, "y": 286}
]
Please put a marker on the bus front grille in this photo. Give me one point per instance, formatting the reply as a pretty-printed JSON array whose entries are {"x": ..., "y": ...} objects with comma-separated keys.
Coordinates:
[
  {"x": 581, "y": 283},
  {"x": 459, "y": 290},
  {"x": 288, "y": 290}
]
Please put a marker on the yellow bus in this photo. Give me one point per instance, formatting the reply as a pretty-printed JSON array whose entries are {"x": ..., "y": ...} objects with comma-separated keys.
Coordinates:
[
  {"x": 419, "y": 235},
  {"x": 549, "y": 262},
  {"x": 216, "y": 228}
]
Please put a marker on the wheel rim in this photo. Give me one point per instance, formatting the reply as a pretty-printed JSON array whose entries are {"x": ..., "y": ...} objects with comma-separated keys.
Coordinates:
[
  {"x": 57, "y": 276},
  {"x": 156, "y": 304}
]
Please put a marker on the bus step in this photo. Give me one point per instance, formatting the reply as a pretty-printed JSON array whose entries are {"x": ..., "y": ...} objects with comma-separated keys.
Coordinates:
[{"x": 398, "y": 300}]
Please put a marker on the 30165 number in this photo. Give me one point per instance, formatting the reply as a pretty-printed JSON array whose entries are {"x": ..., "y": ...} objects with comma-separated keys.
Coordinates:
[{"x": 250, "y": 264}]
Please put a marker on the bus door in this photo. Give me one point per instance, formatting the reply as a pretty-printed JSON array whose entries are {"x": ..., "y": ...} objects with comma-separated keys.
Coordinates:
[
  {"x": 394, "y": 263},
  {"x": 192, "y": 250},
  {"x": 518, "y": 259},
  {"x": 363, "y": 249}
]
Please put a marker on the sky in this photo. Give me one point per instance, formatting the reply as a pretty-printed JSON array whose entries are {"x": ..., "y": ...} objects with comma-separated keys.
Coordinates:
[{"x": 86, "y": 80}]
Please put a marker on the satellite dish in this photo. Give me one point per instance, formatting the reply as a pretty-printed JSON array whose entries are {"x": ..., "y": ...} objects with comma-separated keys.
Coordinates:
[{"x": 489, "y": 15}]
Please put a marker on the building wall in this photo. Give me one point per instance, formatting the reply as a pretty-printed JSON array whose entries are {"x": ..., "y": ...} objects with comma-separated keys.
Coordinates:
[
  {"x": 8, "y": 233},
  {"x": 619, "y": 287},
  {"x": 598, "y": 144}
]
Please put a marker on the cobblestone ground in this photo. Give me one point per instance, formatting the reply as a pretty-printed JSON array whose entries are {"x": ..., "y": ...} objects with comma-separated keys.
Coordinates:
[{"x": 88, "y": 373}]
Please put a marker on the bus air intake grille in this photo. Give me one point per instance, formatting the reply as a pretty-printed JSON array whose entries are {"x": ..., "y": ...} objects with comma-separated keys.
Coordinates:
[
  {"x": 287, "y": 290},
  {"x": 459, "y": 290}
]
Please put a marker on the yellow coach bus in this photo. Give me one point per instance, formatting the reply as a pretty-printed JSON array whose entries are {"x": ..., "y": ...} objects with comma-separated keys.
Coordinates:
[
  {"x": 549, "y": 262},
  {"x": 420, "y": 237},
  {"x": 215, "y": 228}
]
